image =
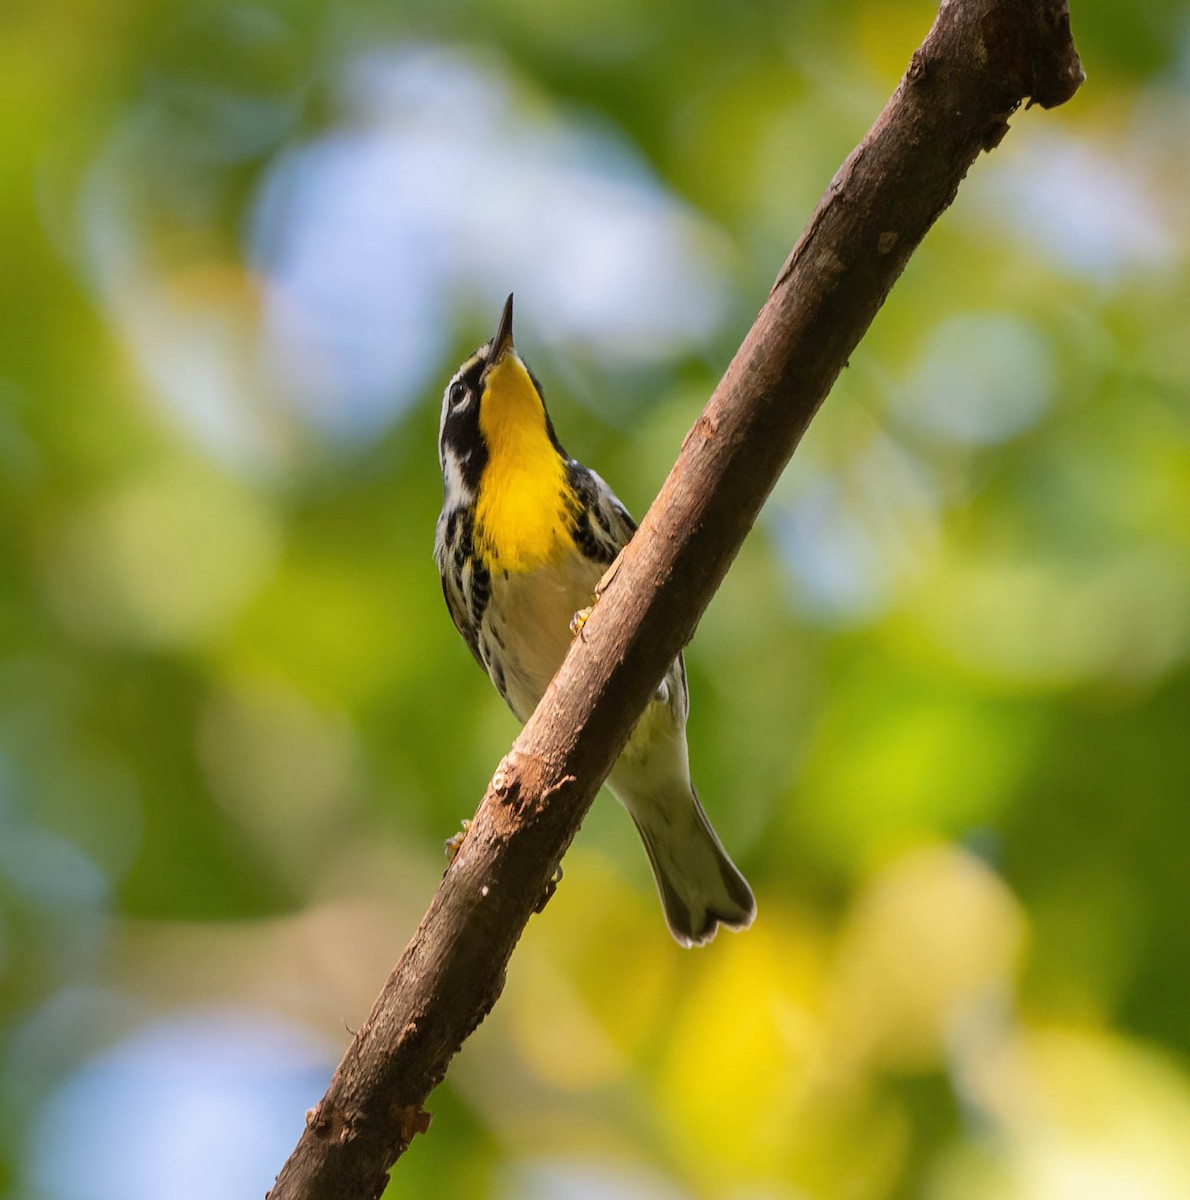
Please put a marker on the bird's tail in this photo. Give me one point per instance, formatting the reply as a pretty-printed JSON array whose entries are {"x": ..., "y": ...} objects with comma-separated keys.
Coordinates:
[{"x": 700, "y": 886}]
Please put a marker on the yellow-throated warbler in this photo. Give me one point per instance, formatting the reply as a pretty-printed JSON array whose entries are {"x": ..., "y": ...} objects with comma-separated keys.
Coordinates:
[{"x": 525, "y": 534}]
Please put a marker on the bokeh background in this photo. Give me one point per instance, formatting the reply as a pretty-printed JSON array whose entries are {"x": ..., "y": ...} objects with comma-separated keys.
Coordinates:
[{"x": 941, "y": 706}]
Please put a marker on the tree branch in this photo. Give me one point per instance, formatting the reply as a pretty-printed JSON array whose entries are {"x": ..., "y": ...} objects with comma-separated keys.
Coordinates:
[{"x": 982, "y": 58}]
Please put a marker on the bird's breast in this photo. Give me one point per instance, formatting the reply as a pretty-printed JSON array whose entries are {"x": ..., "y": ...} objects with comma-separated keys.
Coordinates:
[{"x": 523, "y": 514}]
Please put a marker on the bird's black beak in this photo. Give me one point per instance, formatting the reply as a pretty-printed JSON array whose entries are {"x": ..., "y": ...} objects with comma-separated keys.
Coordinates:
[{"x": 503, "y": 339}]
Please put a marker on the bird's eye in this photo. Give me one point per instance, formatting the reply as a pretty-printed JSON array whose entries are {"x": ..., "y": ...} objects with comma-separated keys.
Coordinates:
[{"x": 458, "y": 393}]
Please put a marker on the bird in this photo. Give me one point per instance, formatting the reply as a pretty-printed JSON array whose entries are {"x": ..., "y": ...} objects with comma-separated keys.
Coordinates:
[{"x": 525, "y": 534}]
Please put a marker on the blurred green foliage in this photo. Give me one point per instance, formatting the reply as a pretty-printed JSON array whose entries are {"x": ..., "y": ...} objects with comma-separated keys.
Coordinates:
[{"x": 940, "y": 708}]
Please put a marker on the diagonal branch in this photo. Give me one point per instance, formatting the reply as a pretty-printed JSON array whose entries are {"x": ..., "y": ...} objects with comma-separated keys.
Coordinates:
[{"x": 982, "y": 58}]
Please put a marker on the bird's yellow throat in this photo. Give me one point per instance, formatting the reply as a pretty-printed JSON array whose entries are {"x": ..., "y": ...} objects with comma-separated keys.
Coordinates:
[{"x": 523, "y": 493}]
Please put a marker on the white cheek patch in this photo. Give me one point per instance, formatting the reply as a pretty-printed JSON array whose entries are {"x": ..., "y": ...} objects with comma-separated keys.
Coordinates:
[{"x": 452, "y": 472}]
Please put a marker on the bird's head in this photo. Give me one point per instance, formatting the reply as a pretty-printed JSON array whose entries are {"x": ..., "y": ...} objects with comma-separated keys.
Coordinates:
[{"x": 493, "y": 405}]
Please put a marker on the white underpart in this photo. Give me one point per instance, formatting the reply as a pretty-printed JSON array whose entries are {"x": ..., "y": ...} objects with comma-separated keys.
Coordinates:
[{"x": 532, "y": 614}]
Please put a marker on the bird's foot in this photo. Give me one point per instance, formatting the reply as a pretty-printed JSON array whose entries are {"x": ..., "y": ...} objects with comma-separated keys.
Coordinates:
[
  {"x": 608, "y": 575},
  {"x": 580, "y": 618},
  {"x": 453, "y": 843},
  {"x": 550, "y": 889}
]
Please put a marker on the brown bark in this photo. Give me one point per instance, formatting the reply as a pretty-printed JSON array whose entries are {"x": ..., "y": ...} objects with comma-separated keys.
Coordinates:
[{"x": 982, "y": 58}]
